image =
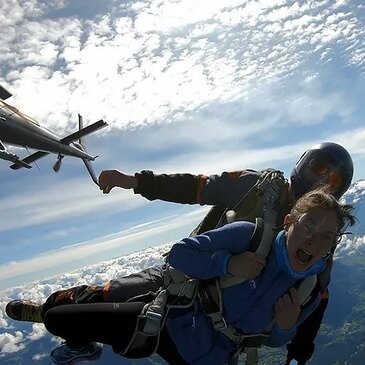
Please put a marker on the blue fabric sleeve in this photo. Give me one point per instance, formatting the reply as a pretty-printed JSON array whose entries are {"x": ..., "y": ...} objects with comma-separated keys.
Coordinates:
[
  {"x": 279, "y": 337},
  {"x": 225, "y": 266},
  {"x": 206, "y": 256}
]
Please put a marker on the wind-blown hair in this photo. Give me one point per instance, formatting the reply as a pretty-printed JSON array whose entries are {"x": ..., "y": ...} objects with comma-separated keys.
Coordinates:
[{"x": 322, "y": 197}]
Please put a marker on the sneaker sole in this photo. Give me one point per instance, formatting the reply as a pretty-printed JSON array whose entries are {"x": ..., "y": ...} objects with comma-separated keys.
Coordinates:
[
  {"x": 92, "y": 357},
  {"x": 9, "y": 313}
]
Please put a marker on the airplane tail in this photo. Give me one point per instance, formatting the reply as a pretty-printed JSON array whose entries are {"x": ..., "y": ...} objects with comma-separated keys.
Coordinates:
[
  {"x": 87, "y": 163},
  {"x": 91, "y": 171}
]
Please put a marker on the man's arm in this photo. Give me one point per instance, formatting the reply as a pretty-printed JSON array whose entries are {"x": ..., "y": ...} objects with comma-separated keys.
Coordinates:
[
  {"x": 179, "y": 188},
  {"x": 224, "y": 189}
]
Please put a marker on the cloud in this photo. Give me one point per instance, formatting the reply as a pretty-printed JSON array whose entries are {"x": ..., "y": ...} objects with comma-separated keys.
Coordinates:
[
  {"x": 38, "y": 332},
  {"x": 39, "y": 357},
  {"x": 91, "y": 274},
  {"x": 3, "y": 317},
  {"x": 15, "y": 341},
  {"x": 149, "y": 63},
  {"x": 11, "y": 343}
]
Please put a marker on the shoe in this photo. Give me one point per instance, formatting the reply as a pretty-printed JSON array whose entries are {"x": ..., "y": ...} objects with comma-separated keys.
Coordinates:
[
  {"x": 66, "y": 356},
  {"x": 24, "y": 310}
]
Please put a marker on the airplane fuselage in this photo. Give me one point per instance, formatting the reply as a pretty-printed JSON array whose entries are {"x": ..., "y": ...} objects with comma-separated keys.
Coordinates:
[{"x": 18, "y": 129}]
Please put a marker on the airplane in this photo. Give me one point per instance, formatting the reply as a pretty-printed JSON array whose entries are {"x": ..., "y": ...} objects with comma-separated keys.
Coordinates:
[{"x": 16, "y": 128}]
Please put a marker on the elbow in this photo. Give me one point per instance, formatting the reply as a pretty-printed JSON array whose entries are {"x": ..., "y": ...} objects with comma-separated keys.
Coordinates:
[{"x": 175, "y": 255}]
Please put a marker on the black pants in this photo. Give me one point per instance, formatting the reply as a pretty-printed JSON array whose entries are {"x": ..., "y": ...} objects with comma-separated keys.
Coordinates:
[
  {"x": 301, "y": 347},
  {"x": 116, "y": 290},
  {"x": 109, "y": 323}
]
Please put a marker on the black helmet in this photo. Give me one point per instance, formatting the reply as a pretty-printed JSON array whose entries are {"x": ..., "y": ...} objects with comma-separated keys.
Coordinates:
[{"x": 324, "y": 163}]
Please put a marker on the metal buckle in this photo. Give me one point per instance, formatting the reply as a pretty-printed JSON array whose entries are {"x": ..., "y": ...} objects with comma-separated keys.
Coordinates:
[
  {"x": 219, "y": 324},
  {"x": 153, "y": 315}
]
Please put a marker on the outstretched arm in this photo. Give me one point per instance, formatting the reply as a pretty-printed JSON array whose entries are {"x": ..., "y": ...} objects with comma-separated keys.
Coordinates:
[
  {"x": 179, "y": 188},
  {"x": 225, "y": 189}
]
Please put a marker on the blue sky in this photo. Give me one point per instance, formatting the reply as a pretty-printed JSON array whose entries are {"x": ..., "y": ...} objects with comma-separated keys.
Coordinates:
[{"x": 185, "y": 86}]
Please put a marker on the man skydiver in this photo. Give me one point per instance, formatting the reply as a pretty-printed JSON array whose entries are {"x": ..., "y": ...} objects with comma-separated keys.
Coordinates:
[{"x": 323, "y": 163}]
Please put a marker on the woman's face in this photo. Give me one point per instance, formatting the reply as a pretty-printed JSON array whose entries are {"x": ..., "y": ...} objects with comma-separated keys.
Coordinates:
[{"x": 310, "y": 237}]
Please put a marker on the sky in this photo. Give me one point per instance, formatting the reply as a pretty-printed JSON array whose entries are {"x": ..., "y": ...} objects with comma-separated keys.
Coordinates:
[{"x": 185, "y": 86}]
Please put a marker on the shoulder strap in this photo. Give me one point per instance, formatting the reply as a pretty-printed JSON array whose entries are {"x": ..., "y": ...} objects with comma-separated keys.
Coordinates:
[
  {"x": 270, "y": 187},
  {"x": 257, "y": 234},
  {"x": 305, "y": 289}
]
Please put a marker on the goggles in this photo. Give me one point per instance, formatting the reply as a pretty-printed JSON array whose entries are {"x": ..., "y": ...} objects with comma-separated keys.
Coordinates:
[{"x": 323, "y": 171}]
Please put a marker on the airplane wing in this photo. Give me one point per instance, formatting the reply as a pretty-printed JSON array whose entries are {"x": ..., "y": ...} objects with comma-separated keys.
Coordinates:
[
  {"x": 4, "y": 94},
  {"x": 8, "y": 156},
  {"x": 26, "y": 161}
]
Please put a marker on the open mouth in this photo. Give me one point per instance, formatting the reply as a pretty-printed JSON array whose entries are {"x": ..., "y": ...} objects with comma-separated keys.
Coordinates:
[{"x": 303, "y": 256}]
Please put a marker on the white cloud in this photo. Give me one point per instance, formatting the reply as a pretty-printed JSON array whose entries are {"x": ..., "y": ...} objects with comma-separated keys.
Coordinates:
[
  {"x": 132, "y": 68},
  {"x": 11, "y": 343},
  {"x": 39, "y": 357},
  {"x": 3, "y": 317},
  {"x": 38, "y": 332}
]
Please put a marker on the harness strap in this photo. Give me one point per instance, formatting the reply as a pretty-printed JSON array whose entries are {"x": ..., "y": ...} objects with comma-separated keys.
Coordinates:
[
  {"x": 213, "y": 307},
  {"x": 179, "y": 293},
  {"x": 270, "y": 188},
  {"x": 305, "y": 289},
  {"x": 252, "y": 357},
  {"x": 210, "y": 296},
  {"x": 154, "y": 313}
]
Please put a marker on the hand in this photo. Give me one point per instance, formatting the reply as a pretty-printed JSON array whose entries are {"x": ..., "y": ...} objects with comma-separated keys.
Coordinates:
[
  {"x": 108, "y": 179},
  {"x": 287, "y": 310},
  {"x": 246, "y": 265}
]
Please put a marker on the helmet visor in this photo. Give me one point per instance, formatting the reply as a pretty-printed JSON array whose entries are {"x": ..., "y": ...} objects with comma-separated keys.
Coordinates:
[
  {"x": 318, "y": 170},
  {"x": 326, "y": 163}
]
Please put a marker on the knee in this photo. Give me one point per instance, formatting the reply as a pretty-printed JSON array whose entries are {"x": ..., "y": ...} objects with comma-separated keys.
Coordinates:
[{"x": 52, "y": 320}]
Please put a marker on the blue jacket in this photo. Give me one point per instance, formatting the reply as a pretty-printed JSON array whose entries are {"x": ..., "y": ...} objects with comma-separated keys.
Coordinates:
[{"x": 248, "y": 306}]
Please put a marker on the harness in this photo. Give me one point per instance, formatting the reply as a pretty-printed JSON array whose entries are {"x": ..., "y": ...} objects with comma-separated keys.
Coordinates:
[{"x": 180, "y": 290}]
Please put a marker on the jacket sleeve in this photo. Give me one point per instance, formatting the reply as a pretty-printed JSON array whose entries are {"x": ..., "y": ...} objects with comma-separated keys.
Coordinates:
[
  {"x": 280, "y": 337},
  {"x": 178, "y": 188},
  {"x": 206, "y": 256},
  {"x": 224, "y": 189}
]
